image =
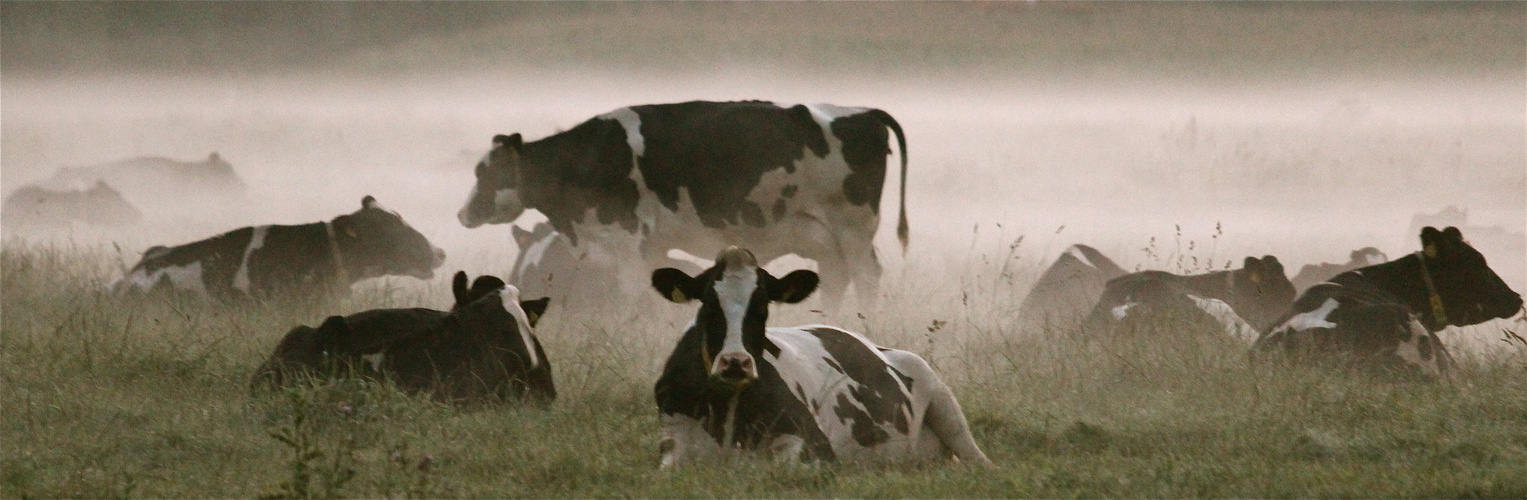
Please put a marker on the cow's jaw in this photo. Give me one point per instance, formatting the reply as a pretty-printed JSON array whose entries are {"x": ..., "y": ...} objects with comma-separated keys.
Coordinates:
[{"x": 733, "y": 365}]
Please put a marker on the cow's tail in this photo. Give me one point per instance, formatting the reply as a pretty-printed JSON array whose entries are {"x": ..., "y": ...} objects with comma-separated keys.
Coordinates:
[{"x": 901, "y": 142}]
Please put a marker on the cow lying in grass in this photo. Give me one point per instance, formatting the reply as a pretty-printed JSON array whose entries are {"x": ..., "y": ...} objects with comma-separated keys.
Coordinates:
[
  {"x": 812, "y": 392},
  {"x": 305, "y": 259},
  {"x": 484, "y": 348},
  {"x": 1067, "y": 290},
  {"x": 1383, "y": 318},
  {"x": 1242, "y": 302}
]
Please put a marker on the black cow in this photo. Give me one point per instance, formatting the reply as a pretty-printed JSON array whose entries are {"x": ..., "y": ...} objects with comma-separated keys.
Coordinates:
[
  {"x": 812, "y": 392},
  {"x": 1383, "y": 318},
  {"x": 1067, "y": 290},
  {"x": 483, "y": 349},
  {"x": 1242, "y": 302},
  {"x": 306, "y": 259},
  {"x": 36, "y": 207},
  {"x": 641, "y": 180},
  {"x": 1314, "y": 274}
]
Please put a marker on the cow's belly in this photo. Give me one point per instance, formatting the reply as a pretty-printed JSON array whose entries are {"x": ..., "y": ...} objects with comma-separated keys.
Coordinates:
[
  {"x": 805, "y": 212},
  {"x": 823, "y": 389}
]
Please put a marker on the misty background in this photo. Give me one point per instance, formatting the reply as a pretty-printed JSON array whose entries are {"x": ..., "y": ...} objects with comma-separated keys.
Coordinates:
[{"x": 1221, "y": 130}]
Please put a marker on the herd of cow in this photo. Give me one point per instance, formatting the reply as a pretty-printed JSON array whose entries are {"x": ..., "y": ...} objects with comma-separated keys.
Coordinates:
[{"x": 626, "y": 190}]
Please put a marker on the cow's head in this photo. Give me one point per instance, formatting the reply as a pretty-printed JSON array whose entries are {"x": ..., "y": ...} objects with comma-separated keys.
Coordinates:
[
  {"x": 500, "y": 314},
  {"x": 1260, "y": 291},
  {"x": 1471, "y": 292},
  {"x": 375, "y": 241},
  {"x": 495, "y": 199},
  {"x": 734, "y": 308}
]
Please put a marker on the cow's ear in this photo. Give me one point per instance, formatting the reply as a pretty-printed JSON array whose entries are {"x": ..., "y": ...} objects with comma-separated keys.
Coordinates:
[
  {"x": 1453, "y": 233},
  {"x": 675, "y": 285},
  {"x": 368, "y": 202},
  {"x": 534, "y": 309},
  {"x": 522, "y": 237},
  {"x": 794, "y": 287},
  {"x": 331, "y": 331},
  {"x": 459, "y": 288},
  {"x": 513, "y": 141}
]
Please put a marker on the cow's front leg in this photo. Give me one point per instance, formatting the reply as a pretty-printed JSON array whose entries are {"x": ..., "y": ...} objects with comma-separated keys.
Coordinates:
[
  {"x": 786, "y": 448},
  {"x": 684, "y": 440}
]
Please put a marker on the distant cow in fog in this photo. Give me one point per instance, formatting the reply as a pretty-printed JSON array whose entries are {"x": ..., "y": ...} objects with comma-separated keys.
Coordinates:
[
  {"x": 483, "y": 349},
  {"x": 1384, "y": 318},
  {"x": 160, "y": 185},
  {"x": 1242, "y": 302},
  {"x": 1312, "y": 274},
  {"x": 1067, "y": 290},
  {"x": 34, "y": 207},
  {"x": 304, "y": 259},
  {"x": 642, "y": 180}
]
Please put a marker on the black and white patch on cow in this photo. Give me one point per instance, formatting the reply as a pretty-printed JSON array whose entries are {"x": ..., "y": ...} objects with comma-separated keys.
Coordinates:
[
  {"x": 1384, "y": 318},
  {"x": 1313, "y": 274},
  {"x": 643, "y": 180},
  {"x": 732, "y": 386},
  {"x": 264, "y": 260},
  {"x": 483, "y": 349},
  {"x": 1067, "y": 290},
  {"x": 1241, "y": 303}
]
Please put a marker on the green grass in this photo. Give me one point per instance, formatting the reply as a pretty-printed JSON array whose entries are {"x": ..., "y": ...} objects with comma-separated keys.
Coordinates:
[{"x": 106, "y": 397}]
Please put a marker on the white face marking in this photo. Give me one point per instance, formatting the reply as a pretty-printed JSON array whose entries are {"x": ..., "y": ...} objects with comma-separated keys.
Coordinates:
[
  {"x": 375, "y": 359},
  {"x": 1120, "y": 312},
  {"x": 734, "y": 290},
  {"x": 257, "y": 240},
  {"x": 1372, "y": 259},
  {"x": 186, "y": 277},
  {"x": 504, "y": 197},
  {"x": 535, "y": 252},
  {"x": 632, "y": 122},
  {"x": 1078, "y": 255},
  {"x": 1236, "y": 327},
  {"x": 1313, "y": 319},
  {"x": 511, "y": 297}
]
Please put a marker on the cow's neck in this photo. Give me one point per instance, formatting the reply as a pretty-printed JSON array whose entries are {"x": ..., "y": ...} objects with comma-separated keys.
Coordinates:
[
  {"x": 1214, "y": 285},
  {"x": 1403, "y": 279}
]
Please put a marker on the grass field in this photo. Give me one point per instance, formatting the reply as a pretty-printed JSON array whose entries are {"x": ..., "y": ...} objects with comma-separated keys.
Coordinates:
[{"x": 148, "y": 398}]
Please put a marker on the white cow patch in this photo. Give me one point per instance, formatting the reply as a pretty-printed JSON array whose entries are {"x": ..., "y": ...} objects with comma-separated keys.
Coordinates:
[
  {"x": 1410, "y": 349},
  {"x": 187, "y": 277},
  {"x": 536, "y": 252},
  {"x": 511, "y": 298},
  {"x": 1122, "y": 311},
  {"x": 256, "y": 241},
  {"x": 1312, "y": 319},
  {"x": 735, "y": 291},
  {"x": 1077, "y": 254},
  {"x": 684, "y": 440},
  {"x": 632, "y": 122},
  {"x": 1236, "y": 327}
]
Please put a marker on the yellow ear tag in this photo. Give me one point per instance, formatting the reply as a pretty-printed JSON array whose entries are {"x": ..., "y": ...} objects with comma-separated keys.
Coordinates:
[
  {"x": 678, "y": 296},
  {"x": 1256, "y": 278},
  {"x": 350, "y": 231},
  {"x": 1431, "y": 250},
  {"x": 785, "y": 297}
]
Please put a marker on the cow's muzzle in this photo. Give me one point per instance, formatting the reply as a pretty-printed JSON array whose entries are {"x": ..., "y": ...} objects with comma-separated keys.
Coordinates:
[{"x": 735, "y": 369}]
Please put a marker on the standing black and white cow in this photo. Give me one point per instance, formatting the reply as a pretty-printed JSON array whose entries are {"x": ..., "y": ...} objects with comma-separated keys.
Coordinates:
[
  {"x": 812, "y": 392},
  {"x": 1242, "y": 302},
  {"x": 306, "y": 259},
  {"x": 1383, "y": 318},
  {"x": 1067, "y": 290},
  {"x": 483, "y": 349},
  {"x": 693, "y": 176},
  {"x": 1314, "y": 274}
]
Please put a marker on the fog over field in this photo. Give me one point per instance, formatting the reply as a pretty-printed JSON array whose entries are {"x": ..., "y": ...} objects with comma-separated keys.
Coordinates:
[
  {"x": 1303, "y": 131},
  {"x": 1174, "y": 136}
]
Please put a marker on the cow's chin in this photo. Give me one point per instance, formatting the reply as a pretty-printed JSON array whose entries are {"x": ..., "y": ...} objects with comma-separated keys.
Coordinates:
[{"x": 732, "y": 383}]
